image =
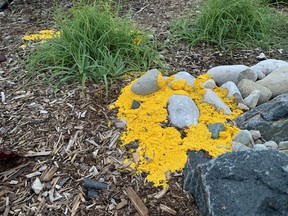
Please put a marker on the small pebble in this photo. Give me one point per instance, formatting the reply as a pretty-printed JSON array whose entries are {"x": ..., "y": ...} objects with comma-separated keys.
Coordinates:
[
  {"x": 236, "y": 146},
  {"x": 135, "y": 104},
  {"x": 261, "y": 56},
  {"x": 91, "y": 194},
  {"x": 215, "y": 129},
  {"x": 255, "y": 134},
  {"x": 260, "y": 147},
  {"x": 243, "y": 107}
]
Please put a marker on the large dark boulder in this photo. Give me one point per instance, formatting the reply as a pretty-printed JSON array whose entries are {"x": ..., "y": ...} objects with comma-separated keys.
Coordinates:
[
  {"x": 270, "y": 118},
  {"x": 244, "y": 183}
]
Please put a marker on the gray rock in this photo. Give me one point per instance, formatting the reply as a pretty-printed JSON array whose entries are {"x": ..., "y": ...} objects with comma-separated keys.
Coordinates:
[
  {"x": 270, "y": 118},
  {"x": 252, "y": 99},
  {"x": 283, "y": 145},
  {"x": 244, "y": 137},
  {"x": 135, "y": 104},
  {"x": 236, "y": 146},
  {"x": 147, "y": 84},
  {"x": 183, "y": 111},
  {"x": 255, "y": 134},
  {"x": 233, "y": 91},
  {"x": 271, "y": 144},
  {"x": 183, "y": 75},
  {"x": 215, "y": 129},
  {"x": 247, "y": 86},
  {"x": 260, "y": 147},
  {"x": 210, "y": 84},
  {"x": 241, "y": 183},
  {"x": 213, "y": 99},
  {"x": 276, "y": 81},
  {"x": 194, "y": 158},
  {"x": 248, "y": 74},
  {"x": 267, "y": 66},
  {"x": 225, "y": 73}
]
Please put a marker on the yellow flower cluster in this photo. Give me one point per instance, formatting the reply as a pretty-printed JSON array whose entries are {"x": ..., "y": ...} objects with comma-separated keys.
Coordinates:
[
  {"x": 40, "y": 36},
  {"x": 161, "y": 148}
]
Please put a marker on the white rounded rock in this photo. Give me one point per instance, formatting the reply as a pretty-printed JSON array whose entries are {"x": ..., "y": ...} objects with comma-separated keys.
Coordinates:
[
  {"x": 225, "y": 73},
  {"x": 213, "y": 99},
  {"x": 233, "y": 91},
  {"x": 183, "y": 112},
  {"x": 146, "y": 84},
  {"x": 267, "y": 66}
]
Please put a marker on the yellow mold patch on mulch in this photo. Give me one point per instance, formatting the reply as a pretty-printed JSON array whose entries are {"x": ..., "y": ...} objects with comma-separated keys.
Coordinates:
[
  {"x": 161, "y": 148},
  {"x": 40, "y": 36}
]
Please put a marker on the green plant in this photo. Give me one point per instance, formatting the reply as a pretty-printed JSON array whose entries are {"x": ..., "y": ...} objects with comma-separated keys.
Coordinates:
[
  {"x": 94, "y": 44},
  {"x": 233, "y": 23}
]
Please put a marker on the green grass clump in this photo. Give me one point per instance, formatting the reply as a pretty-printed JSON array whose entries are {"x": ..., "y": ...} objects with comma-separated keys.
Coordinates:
[
  {"x": 94, "y": 44},
  {"x": 233, "y": 23}
]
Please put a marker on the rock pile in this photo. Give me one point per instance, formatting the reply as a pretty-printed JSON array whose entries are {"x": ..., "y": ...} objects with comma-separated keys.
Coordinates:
[{"x": 255, "y": 173}]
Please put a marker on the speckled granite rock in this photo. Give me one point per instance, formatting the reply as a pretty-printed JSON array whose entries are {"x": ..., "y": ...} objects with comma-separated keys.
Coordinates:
[
  {"x": 270, "y": 118},
  {"x": 240, "y": 183}
]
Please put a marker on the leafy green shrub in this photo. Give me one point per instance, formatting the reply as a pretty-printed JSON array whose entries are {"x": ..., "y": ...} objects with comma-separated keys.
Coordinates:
[
  {"x": 230, "y": 23},
  {"x": 94, "y": 44}
]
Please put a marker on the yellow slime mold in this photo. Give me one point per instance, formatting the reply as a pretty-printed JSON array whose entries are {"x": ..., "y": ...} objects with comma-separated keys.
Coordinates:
[{"x": 161, "y": 149}]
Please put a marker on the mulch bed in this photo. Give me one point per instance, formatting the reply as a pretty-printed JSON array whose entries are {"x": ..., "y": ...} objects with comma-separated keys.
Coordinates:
[{"x": 62, "y": 136}]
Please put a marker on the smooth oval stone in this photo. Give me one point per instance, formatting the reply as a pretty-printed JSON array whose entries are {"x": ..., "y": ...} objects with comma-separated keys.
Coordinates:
[
  {"x": 252, "y": 100},
  {"x": 233, "y": 91},
  {"x": 215, "y": 129},
  {"x": 183, "y": 112},
  {"x": 146, "y": 84},
  {"x": 244, "y": 137},
  {"x": 213, "y": 99},
  {"x": 247, "y": 86},
  {"x": 183, "y": 75},
  {"x": 267, "y": 66},
  {"x": 225, "y": 73},
  {"x": 276, "y": 81}
]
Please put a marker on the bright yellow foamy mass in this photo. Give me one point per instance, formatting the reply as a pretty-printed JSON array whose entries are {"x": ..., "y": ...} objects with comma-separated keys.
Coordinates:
[
  {"x": 161, "y": 148},
  {"x": 41, "y": 35}
]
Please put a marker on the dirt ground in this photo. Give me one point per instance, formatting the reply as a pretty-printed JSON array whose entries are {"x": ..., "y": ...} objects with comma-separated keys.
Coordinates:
[{"x": 68, "y": 136}]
